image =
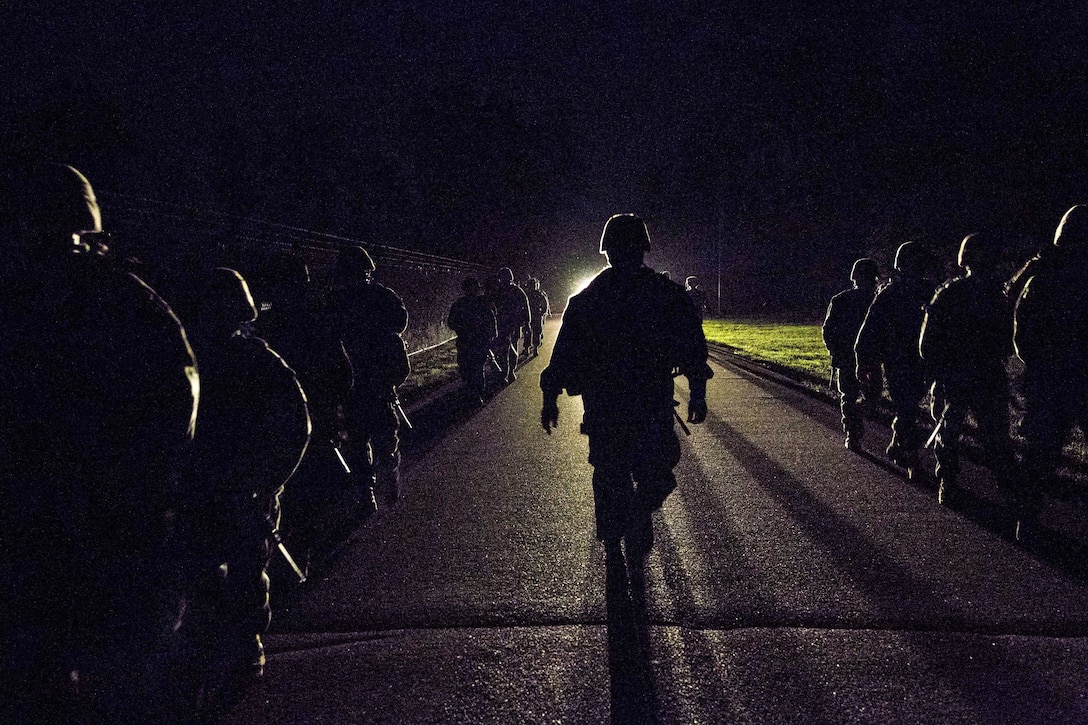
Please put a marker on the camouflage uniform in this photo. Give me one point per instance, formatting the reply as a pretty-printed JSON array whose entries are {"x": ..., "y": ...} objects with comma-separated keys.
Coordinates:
[
  {"x": 620, "y": 340},
  {"x": 966, "y": 340},
  {"x": 845, "y": 313},
  {"x": 473, "y": 319},
  {"x": 98, "y": 402},
  {"x": 252, "y": 430},
  {"x": 539, "y": 308},
  {"x": 1051, "y": 337},
  {"x": 889, "y": 336},
  {"x": 513, "y": 315},
  {"x": 369, "y": 319}
]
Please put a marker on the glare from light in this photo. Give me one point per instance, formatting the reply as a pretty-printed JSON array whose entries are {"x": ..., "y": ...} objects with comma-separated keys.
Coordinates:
[{"x": 582, "y": 284}]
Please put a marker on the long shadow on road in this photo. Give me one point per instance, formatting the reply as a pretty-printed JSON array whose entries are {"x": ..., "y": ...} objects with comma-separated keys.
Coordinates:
[
  {"x": 634, "y": 698},
  {"x": 890, "y": 586}
]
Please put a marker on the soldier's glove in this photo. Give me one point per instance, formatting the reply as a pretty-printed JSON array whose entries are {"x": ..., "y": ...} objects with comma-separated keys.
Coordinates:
[
  {"x": 549, "y": 416},
  {"x": 696, "y": 410}
]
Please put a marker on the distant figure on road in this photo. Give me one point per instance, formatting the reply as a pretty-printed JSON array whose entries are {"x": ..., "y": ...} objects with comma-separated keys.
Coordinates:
[
  {"x": 473, "y": 320},
  {"x": 539, "y": 308},
  {"x": 966, "y": 341},
  {"x": 697, "y": 295},
  {"x": 620, "y": 341},
  {"x": 513, "y": 316},
  {"x": 889, "y": 337},
  {"x": 1051, "y": 337},
  {"x": 369, "y": 319},
  {"x": 845, "y": 313}
]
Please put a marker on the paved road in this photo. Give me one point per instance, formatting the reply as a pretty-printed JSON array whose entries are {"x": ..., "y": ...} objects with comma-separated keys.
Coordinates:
[{"x": 792, "y": 581}]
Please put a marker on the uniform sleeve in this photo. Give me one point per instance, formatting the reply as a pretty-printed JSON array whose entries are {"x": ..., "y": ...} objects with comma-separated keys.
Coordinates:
[
  {"x": 564, "y": 371},
  {"x": 869, "y": 345},
  {"x": 691, "y": 345},
  {"x": 1028, "y": 321},
  {"x": 935, "y": 338},
  {"x": 830, "y": 330},
  {"x": 283, "y": 424}
]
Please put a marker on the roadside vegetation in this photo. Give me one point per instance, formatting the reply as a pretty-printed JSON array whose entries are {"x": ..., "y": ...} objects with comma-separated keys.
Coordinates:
[
  {"x": 796, "y": 347},
  {"x": 431, "y": 369}
]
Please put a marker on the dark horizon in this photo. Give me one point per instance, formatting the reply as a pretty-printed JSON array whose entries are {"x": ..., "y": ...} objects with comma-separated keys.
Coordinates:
[{"x": 794, "y": 138}]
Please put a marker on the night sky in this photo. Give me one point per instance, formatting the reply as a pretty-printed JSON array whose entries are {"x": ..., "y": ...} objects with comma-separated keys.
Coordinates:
[{"x": 794, "y": 138}]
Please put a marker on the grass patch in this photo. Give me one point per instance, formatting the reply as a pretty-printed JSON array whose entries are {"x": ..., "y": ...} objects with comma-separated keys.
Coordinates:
[
  {"x": 796, "y": 346},
  {"x": 431, "y": 369}
]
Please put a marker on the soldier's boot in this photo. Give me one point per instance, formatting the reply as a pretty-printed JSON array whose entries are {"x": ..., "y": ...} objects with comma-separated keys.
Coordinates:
[
  {"x": 903, "y": 457},
  {"x": 364, "y": 500},
  {"x": 854, "y": 435},
  {"x": 946, "y": 471},
  {"x": 257, "y": 659},
  {"x": 946, "y": 489}
]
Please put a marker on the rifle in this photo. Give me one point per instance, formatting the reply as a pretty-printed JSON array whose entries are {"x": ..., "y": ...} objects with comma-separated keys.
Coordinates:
[
  {"x": 933, "y": 436},
  {"x": 400, "y": 412},
  {"x": 683, "y": 426},
  {"x": 340, "y": 457},
  {"x": 287, "y": 556}
]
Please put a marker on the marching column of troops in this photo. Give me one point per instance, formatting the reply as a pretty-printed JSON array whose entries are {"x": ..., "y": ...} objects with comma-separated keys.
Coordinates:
[
  {"x": 496, "y": 324},
  {"x": 954, "y": 342},
  {"x": 150, "y": 421},
  {"x": 146, "y": 447}
]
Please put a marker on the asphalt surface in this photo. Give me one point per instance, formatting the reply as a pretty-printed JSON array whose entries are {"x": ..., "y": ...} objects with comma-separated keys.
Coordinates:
[{"x": 791, "y": 582}]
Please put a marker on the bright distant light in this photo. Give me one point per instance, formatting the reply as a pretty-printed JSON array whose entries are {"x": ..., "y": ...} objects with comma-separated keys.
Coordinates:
[{"x": 582, "y": 284}]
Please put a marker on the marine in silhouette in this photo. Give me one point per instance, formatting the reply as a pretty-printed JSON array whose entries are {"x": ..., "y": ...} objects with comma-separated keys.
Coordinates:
[
  {"x": 473, "y": 320},
  {"x": 1051, "y": 338},
  {"x": 512, "y": 315},
  {"x": 252, "y": 430},
  {"x": 889, "y": 337},
  {"x": 369, "y": 318},
  {"x": 697, "y": 294},
  {"x": 97, "y": 407},
  {"x": 619, "y": 343},
  {"x": 966, "y": 341},
  {"x": 539, "y": 309},
  {"x": 845, "y": 313}
]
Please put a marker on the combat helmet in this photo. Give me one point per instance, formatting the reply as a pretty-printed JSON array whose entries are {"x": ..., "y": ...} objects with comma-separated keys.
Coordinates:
[
  {"x": 59, "y": 203},
  {"x": 227, "y": 297},
  {"x": 977, "y": 251},
  {"x": 355, "y": 261},
  {"x": 1072, "y": 232},
  {"x": 625, "y": 232},
  {"x": 864, "y": 270},
  {"x": 910, "y": 258}
]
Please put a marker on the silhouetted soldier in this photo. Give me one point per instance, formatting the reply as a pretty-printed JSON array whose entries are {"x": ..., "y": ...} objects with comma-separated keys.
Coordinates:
[
  {"x": 966, "y": 341},
  {"x": 889, "y": 337},
  {"x": 845, "y": 313},
  {"x": 472, "y": 318},
  {"x": 697, "y": 294},
  {"x": 620, "y": 340},
  {"x": 294, "y": 327},
  {"x": 539, "y": 309},
  {"x": 1051, "y": 337},
  {"x": 513, "y": 315},
  {"x": 98, "y": 404},
  {"x": 369, "y": 319},
  {"x": 252, "y": 430}
]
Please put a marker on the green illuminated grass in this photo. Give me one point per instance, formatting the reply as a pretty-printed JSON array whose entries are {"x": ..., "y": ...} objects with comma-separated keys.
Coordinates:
[
  {"x": 431, "y": 370},
  {"x": 795, "y": 346}
]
